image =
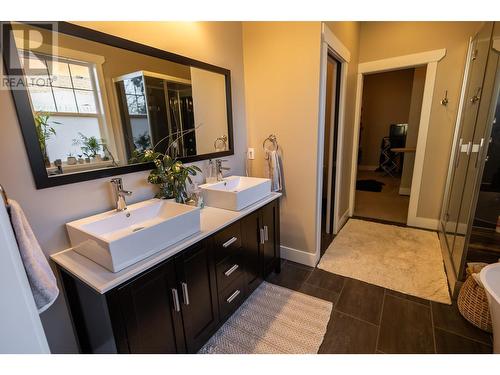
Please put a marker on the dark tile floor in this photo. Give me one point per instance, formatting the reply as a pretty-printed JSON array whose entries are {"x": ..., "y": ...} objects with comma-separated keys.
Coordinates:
[{"x": 369, "y": 319}]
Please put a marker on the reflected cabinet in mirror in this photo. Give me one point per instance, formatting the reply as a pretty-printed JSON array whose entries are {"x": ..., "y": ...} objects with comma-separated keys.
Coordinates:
[{"x": 90, "y": 104}]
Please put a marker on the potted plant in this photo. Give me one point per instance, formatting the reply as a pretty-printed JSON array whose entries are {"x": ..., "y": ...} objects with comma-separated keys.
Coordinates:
[
  {"x": 71, "y": 159},
  {"x": 90, "y": 146},
  {"x": 44, "y": 131},
  {"x": 170, "y": 174},
  {"x": 80, "y": 159}
]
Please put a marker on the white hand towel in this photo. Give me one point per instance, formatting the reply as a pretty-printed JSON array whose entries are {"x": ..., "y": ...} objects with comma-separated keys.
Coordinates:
[
  {"x": 275, "y": 171},
  {"x": 40, "y": 276}
]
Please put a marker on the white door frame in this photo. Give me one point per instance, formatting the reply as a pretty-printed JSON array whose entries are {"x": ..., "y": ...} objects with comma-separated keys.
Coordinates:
[
  {"x": 430, "y": 59},
  {"x": 330, "y": 44}
]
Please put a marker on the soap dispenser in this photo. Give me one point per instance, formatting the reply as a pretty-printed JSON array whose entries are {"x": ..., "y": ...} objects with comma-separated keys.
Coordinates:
[{"x": 211, "y": 173}]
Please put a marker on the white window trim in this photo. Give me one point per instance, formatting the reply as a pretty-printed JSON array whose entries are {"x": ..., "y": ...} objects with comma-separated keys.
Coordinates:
[{"x": 106, "y": 126}]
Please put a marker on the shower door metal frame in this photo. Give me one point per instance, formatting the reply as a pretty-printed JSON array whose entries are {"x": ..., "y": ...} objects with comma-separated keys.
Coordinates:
[{"x": 479, "y": 164}]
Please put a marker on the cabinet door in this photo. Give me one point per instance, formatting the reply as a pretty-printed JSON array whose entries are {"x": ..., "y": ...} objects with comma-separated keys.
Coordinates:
[
  {"x": 198, "y": 294},
  {"x": 271, "y": 243},
  {"x": 251, "y": 226},
  {"x": 151, "y": 315}
]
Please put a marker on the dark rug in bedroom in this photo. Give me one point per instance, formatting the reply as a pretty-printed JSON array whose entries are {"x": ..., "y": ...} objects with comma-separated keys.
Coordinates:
[{"x": 369, "y": 185}]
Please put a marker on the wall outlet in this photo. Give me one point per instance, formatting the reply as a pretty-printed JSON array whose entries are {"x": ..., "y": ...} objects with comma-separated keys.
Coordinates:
[{"x": 251, "y": 154}]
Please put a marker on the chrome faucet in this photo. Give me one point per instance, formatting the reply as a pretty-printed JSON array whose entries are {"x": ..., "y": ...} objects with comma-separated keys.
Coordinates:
[
  {"x": 219, "y": 168},
  {"x": 120, "y": 194}
]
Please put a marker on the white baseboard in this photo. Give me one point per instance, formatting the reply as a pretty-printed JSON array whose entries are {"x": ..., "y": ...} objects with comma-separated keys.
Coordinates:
[
  {"x": 424, "y": 222},
  {"x": 404, "y": 191},
  {"x": 299, "y": 256},
  {"x": 367, "y": 167},
  {"x": 343, "y": 219}
]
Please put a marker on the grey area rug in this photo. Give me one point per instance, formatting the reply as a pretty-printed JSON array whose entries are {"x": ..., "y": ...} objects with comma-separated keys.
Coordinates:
[
  {"x": 273, "y": 320},
  {"x": 403, "y": 259}
]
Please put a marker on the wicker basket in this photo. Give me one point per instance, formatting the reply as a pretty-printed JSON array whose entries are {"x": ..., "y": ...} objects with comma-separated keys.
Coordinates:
[{"x": 473, "y": 305}]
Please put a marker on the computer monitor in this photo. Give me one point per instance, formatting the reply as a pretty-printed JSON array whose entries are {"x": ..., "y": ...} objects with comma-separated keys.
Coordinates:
[{"x": 397, "y": 135}]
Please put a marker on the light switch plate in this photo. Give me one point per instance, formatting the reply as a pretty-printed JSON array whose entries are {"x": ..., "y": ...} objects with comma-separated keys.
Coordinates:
[{"x": 251, "y": 153}]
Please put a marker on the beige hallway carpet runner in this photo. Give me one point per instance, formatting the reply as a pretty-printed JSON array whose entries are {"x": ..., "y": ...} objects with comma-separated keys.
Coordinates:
[
  {"x": 273, "y": 320},
  {"x": 403, "y": 259}
]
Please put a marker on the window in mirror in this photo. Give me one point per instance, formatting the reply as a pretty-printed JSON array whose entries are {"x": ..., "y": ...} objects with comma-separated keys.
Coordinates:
[{"x": 65, "y": 103}]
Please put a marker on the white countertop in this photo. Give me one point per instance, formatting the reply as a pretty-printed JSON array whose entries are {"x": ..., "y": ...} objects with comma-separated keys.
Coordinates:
[{"x": 102, "y": 280}]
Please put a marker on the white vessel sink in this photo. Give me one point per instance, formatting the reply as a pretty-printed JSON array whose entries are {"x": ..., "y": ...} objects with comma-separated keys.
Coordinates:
[
  {"x": 116, "y": 239},
  {"x": 235, "y": 193}
]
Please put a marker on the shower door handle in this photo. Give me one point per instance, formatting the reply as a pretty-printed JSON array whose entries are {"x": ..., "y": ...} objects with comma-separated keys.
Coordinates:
[
  {"x": 479, "y": 151},
  {"x": 457, "y": 153}
]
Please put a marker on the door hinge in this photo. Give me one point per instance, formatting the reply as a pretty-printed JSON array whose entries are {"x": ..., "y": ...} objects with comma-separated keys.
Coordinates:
[{"x": 474, "y": 55}]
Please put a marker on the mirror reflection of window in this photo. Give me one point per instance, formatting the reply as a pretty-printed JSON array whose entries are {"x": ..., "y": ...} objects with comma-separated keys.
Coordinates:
[{"x": 65, "y": 101}]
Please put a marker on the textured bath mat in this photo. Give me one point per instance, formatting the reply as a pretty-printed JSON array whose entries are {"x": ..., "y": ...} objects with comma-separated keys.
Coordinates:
[
  {"x": 273, "y": 320},
  {"x": 404, "y": 259}
]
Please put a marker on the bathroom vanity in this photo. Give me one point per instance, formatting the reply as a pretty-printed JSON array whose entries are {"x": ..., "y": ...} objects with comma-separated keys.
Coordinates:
[{"x": 176, "y": 299}]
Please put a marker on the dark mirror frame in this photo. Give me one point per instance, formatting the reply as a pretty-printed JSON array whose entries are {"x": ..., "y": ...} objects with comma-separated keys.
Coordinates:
[{"x": 27, "y": 122}]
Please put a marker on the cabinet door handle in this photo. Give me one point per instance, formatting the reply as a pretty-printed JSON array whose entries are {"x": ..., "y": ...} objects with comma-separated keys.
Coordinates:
[
  {"x": 175, "y": 298},
  {"x": 231, "y": 270},
  {"x": 233, "y": 296},
  {"x": 266, "y": 233},
  {"x": 262, "y": 239},
  {"x": 229, "y": 242},
  {"x": 185, "y": 293}
]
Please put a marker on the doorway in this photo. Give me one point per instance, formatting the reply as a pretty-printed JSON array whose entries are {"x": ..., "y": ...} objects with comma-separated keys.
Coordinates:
[
  {"x": 390, "y": 117},
  {"x": 333, "y": 79},
  {"x": 429, "y": 61}
]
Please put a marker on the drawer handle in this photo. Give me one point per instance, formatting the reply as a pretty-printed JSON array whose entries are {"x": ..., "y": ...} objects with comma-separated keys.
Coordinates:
[
  {"x": 233, "y": 296},
  {"x": 175, "y": 297},
  {"x": 229, "y": 242},
  {"x": 231, "y": 270},
  {"x": 185, "y": 293},
  {"x": 266, "y": 233}
]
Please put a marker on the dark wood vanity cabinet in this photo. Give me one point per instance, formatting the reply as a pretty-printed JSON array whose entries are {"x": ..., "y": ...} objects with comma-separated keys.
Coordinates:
[
  {"x": 177, "y": 305},
  {"x": 148, "y": 313},
  {"x": 271, "y": 242},
  {"x": 198, "y": 294}
]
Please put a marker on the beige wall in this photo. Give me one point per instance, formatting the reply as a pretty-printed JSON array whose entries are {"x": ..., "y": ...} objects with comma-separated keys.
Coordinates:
[
  {"x": 417, "y": 94},
  {"x": 282, "y": 69},
  {"x": 49, "y": 209},
  {"x": 386, "y": 101},
  {"x": 209, "y": 102},
  {"x": 380, "y": 40},
  {"x": 348, "y": 33}
]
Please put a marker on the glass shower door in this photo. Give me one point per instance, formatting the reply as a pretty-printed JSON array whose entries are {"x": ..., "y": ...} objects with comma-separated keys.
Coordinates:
[
  {"x": 485, "y": 118},
  {"x": 454, "y": 231}
]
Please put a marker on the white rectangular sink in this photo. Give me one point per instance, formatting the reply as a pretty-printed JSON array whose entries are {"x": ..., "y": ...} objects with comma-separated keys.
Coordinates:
[
  {"x": 235, "y": 193},
  {"x": 117, "y": 239}
]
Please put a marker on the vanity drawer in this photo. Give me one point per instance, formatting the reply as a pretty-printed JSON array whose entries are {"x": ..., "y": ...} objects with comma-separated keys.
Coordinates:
[
  {"x": 231, "y": 298},
  {"x": 229, "y": 270},
  {"x": 227, "y": 241}
]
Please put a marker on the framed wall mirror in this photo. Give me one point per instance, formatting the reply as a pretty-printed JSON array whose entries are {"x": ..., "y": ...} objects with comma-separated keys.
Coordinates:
[{"x": 90, "y": 104}]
